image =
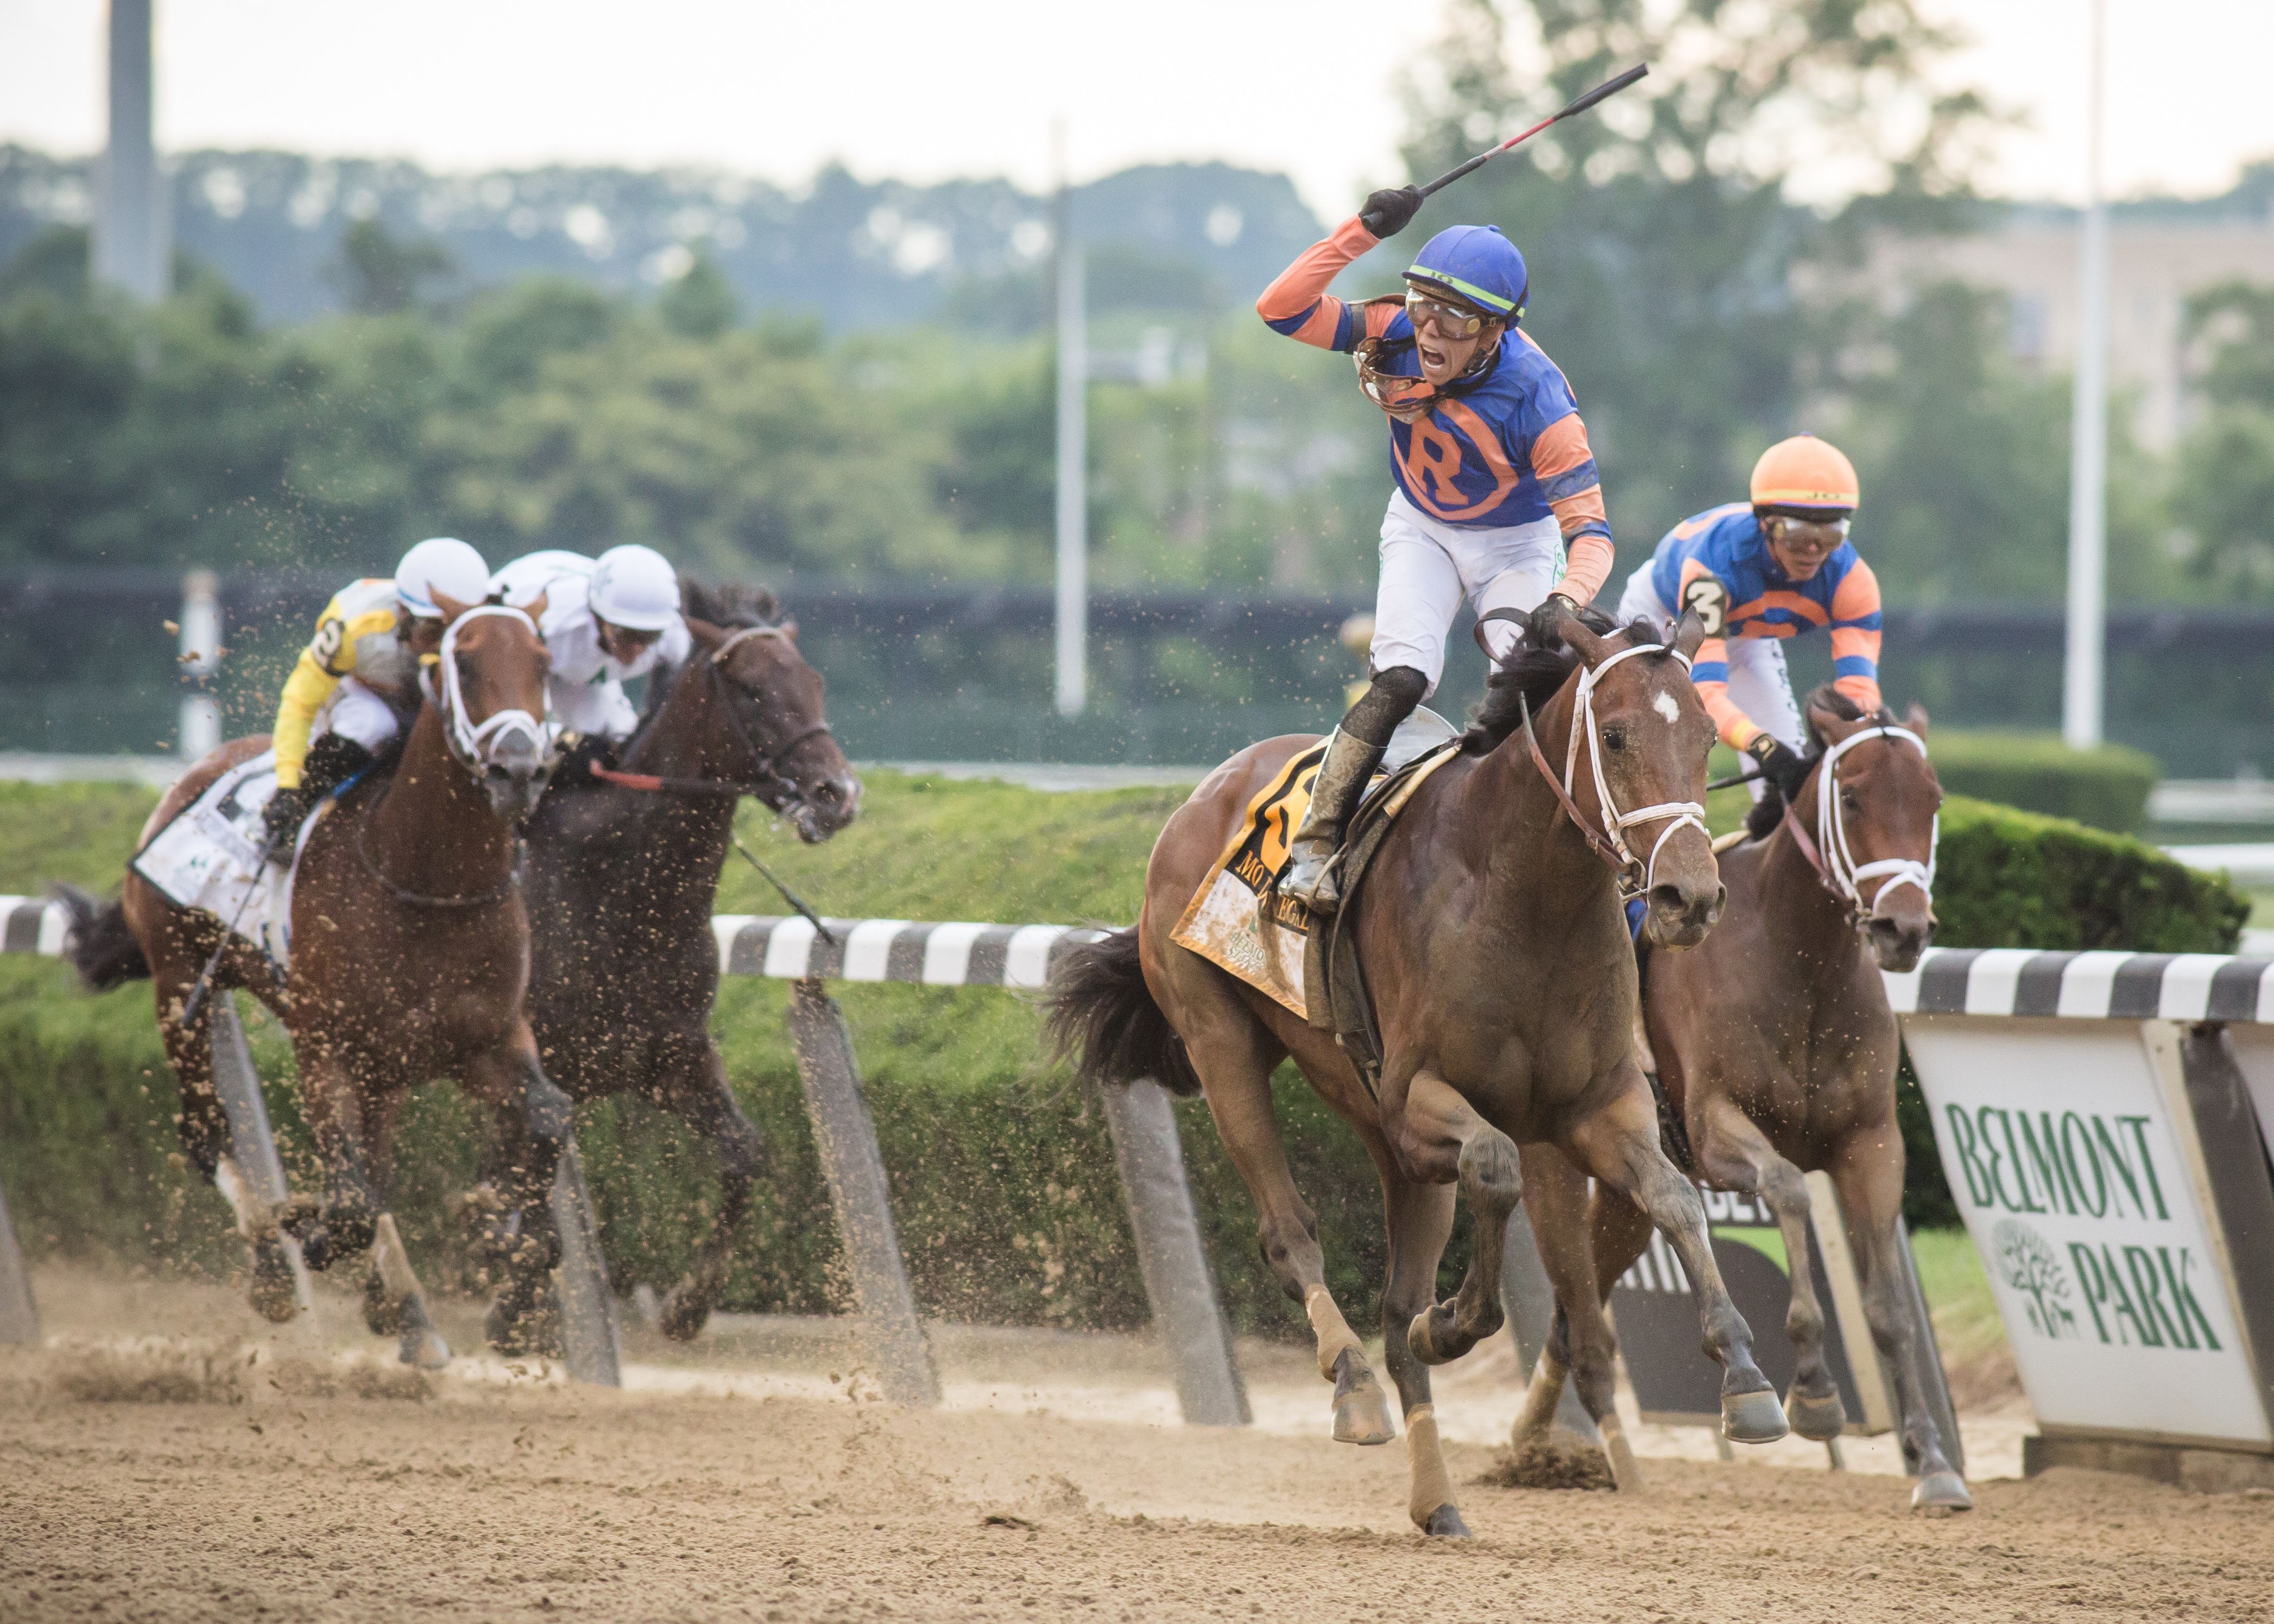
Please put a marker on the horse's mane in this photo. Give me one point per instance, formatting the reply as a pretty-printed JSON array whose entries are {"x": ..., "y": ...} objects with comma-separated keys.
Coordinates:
[
  {"x": 1530, "y": 676},
  {"x": 729, "y": 603}
]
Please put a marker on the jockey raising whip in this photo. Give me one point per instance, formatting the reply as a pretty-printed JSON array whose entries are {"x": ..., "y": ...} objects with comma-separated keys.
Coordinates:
[{"x": 1497, "y": 501}]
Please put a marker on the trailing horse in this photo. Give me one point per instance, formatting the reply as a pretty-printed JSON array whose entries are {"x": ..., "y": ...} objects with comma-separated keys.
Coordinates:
[
  {"x": 411, "y": 961},
  {"x": 1502, "y": 973},
  {"x": 1777, "y": 1050},
  {"x": 625, "y": 870}
]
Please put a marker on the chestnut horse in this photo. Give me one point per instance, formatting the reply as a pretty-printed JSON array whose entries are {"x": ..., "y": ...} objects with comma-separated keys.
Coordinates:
[
  {"x": 624, "y": 871},
  {"x": 1497, "y": 955},
  {"x": 410, "y": 961},
  {"x": 1777, "y": 1050}
]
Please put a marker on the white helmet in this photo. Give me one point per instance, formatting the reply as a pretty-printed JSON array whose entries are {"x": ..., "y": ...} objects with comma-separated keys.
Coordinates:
[
  {"x": 445, "y": 565},
  {"x": 635, "y": 587}
]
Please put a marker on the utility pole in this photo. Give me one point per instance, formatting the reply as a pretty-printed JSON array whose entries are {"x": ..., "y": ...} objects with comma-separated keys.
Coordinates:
[
  {"x": 199, "y": 730},
  {"x": 133, "y": 244},
  {"x": 1073, "y": 458},
  {"x": 2082, "y": 703}
]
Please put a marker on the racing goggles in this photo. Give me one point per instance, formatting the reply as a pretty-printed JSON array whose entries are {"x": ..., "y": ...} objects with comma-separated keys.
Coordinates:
[{"x": 1452, "y": 321}]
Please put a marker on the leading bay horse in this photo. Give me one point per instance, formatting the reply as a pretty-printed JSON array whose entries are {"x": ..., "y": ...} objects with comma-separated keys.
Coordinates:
[
  {"x": 410, "y": 961},
  {"x": 1498, "y": 958},
  {"x": 1777, "y": 1049},
  {"x": 624, "y": 871}
]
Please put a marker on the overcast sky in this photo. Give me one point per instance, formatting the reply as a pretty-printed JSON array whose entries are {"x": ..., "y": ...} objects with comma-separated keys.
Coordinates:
[{"x": 925, "y": 90}]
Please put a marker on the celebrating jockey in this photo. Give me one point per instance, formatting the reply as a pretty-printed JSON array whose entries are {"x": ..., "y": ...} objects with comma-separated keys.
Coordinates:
[
  {"x": 1495, "y": 481},
  {"x": 343, "y": 704},
  {"x": 605, "y": 621},
  {"x": 1757, "y": 573}
]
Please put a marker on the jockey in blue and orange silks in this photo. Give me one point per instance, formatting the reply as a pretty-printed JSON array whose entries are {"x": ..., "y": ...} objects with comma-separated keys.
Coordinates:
[
  {"x": 1497, "y": 501},
  {"x": 1760, "y": 571}
]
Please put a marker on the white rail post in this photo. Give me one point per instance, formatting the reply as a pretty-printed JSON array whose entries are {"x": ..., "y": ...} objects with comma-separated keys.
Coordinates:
[
  {"x": 845, "y": 1138},
  {"x": 199, "y": 730},
  {"x": 19, "y": 1320},
  {"x": 251, "y": 1142},
  {"x": 593, "y": 1341},
  {"x": 1186, "y": 1310}
]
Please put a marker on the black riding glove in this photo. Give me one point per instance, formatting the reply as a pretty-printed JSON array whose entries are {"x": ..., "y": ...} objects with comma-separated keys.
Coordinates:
[
  {"x": 281, "y": 821},
  {"x": 1390, "y": 211},
  {"x": 1785, "y": 767},
  {"x": 1545, "y": 628}
]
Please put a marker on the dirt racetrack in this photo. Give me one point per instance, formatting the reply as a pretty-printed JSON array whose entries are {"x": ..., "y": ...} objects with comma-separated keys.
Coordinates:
[{"x": 197, "y": 1480}]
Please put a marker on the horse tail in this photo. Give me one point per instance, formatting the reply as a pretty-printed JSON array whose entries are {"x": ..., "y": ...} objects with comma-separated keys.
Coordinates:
[
  {"x": 1102, "y": 1015},
  {"x": 100, "y": 944}
]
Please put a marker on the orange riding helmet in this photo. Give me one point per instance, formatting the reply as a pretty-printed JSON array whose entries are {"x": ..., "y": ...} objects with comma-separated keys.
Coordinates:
[{"x": 1806, "y": 476}]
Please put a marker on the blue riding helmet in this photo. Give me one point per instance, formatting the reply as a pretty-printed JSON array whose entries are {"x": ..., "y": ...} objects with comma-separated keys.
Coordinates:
[{"x": 1476, "y": 266}]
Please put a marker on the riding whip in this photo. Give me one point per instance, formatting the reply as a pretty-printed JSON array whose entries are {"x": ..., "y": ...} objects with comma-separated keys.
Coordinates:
[
  {"x": 196, "y": 1000},
  {"x": 788, "y": 895},
  {"x": 1608, "y": 87}
]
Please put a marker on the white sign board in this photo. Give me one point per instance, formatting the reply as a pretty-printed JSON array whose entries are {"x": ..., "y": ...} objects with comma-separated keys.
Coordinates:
[{"x": 2060, "y": 1141}]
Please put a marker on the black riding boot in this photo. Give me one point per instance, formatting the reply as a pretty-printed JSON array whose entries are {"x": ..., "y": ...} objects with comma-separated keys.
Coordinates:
[
  {"x": 1353, "y": 755},
  {"x": 331, "y": 762}
]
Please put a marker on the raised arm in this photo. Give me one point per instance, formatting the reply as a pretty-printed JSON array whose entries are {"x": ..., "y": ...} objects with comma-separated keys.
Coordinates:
[{"x": 1298, "y": 304}]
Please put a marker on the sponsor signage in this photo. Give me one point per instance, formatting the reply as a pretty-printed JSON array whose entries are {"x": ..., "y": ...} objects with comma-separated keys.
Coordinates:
[{"x": 2070, "y": 1148}]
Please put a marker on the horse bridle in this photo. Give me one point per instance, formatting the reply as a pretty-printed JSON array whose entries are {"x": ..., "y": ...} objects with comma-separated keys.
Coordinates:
[
  {"x": 1829, "y": 853},
  {"x": 471, "y": 742},
  {"x": 768, "y": 779},
  {"x": 1612, "y": 844}
]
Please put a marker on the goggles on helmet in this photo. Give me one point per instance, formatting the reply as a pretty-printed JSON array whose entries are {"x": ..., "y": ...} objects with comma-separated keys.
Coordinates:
[{"x": 1452, "y": 321}]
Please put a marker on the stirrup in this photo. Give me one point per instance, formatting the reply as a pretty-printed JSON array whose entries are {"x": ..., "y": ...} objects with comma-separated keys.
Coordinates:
[{"x": 1323, "y": 893}]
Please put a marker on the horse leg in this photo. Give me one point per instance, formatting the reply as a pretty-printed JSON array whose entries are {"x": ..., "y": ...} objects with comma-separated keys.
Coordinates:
[
  {"x": 1420, "y": 1218},
  {"x": 1619, "y": 1145},
  {"x": 534, "y": 1119},
  {"x": 1581, "y": 1346},
  {"x": 394, "y": 1302},
  {"x": 1440, "y": 1139},
  {"x": 1734, "y": 1153},
  {"x": 710, "y": 1108},
  {"x": 346, "y": 1223},
  {"x": 1870, "y": 1185},
  {"x": 1234, "y": 1060}
]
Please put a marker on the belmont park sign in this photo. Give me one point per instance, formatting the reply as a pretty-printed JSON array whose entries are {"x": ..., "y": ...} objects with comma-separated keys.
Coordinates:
[{"x": 2072, "y": 1152}]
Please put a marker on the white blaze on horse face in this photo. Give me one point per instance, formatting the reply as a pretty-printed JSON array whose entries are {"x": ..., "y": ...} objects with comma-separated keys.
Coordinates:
[{"x": 1663, "y": 703}]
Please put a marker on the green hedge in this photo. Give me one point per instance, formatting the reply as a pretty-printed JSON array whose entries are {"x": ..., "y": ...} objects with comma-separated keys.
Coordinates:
[
  {"x": 1003, "y": 1176},
  {"x": 2106, "y": 787}
]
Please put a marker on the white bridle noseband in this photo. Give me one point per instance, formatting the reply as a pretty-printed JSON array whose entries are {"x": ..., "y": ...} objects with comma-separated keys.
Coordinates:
[
  {"x": 1840, "y": 868},
  {"x": 471, "y": 742},
  {"x": 1615, "y": 823}
]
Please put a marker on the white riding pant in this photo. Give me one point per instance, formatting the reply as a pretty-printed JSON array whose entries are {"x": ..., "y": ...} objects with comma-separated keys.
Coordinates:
[
  {"x": 597, "y": 709},
  {"x": 1429, "y": 568},
  {"x": 1758, "y": 684},
  {"x": 357, "y": 712}
]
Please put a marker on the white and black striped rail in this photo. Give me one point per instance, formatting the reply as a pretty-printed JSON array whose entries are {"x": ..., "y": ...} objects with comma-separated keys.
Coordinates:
[
  {"x": 2087, "y": 986},
  {"x": 33, "y": 925},
  {"x": 955, "y": 954}
]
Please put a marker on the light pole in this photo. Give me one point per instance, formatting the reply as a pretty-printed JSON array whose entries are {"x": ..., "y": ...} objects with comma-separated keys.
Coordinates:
[
  {"x": 2082, "y": 703},
  {"x": 131, "y": 250}
]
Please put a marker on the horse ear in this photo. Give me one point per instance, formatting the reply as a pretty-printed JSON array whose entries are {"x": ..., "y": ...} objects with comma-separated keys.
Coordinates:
[
  {"x": 536, "y": 606},
  {"x": 1689, "y": 635},
  {"x": 451, "y": 607},
  {"x": 1591, "y": 648},
  {"x": 703, "y": 631},
  {"x": 1829, "y": 724},
  {"x": 788, "y": 628},
  {"x": 1915, "y": 718}
]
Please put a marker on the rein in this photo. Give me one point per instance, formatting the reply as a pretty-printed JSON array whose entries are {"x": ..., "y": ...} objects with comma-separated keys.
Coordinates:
[
  {"x": 1829, "y": 853},
  {"x": 767, "y": 762},
  {"x": 1611, "y": 845}
]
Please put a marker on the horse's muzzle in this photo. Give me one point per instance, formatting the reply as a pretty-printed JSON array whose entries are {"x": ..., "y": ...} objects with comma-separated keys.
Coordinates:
[
  {"x": 823, "y": 806},
  {"x": 514, "y": 776},
  {"x": 1679, "y": 916},
  {"x": 1898, "y": 943}
]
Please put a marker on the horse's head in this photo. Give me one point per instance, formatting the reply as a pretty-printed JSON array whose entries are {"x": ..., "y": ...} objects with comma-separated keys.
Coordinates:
[
  {"x": 490, "y": 690},
  {"x": 1638, "y": 718},
  {"x": 772, "y": 734},
  {"x": 1875, "y": 798}
]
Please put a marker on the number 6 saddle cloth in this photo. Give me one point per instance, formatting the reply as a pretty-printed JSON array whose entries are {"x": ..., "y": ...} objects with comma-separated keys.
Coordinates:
[{"x": 1238, "y": 921}]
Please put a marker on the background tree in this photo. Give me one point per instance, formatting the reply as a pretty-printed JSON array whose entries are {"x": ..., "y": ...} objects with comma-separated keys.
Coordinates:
[
  {"x": 2223, "y": 491},
  {"x": 380, "y": 273}
]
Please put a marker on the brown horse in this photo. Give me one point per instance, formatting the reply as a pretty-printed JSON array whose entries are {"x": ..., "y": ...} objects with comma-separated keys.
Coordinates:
[
  {"x": 624, "y": 871},
  {"x": 411, "y": 960},
  {"x": 1777, "y": 1051},
  {"x": 1503, "y": 976}
]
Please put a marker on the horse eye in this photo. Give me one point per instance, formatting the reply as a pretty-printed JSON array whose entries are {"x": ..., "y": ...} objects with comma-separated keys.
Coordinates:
[
  {"x": 1615, "y": 738},
  {"x": 1849, "y": 803}
]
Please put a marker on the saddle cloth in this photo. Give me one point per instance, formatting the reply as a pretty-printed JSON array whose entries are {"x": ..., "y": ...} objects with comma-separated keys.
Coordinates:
[
  {"x": 1223, "y": 923},
  {"x": 208, "y": 858}
]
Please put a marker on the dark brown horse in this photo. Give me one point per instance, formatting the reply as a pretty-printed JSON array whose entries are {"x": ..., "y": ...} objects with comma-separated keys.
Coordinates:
[
  {"x": 624, "y": 872},
  {"x": 1497, "y": 955},
  {"x": 410, "y": 961},
  {"x": 1777, "y": 1050}
]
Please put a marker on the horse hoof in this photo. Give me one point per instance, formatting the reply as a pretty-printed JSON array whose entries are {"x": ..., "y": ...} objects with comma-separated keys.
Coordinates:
[
  {"x": 1942, "y": 1490},
  {"x": 684, "y": 1314},
  {"x": 1434, "y": 1336},
  {"x": 382, "y": 1315},
  {"x": 423, "y": 1346},
  {"x": 1752, "y": 1418},
  {"x": 274, "y": 1298},
  {"x": 1361, "y": 1408},
  {"x": 1445, "y": 1523},
  {"x": 1818, "y": 1419}
]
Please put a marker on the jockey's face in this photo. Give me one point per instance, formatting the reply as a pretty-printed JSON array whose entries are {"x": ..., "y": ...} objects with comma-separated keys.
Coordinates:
[
  {"x": 623, "y": 644},
  {"x": 1443, "y": 357},
  {"x": 1801, "y": 546}
]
